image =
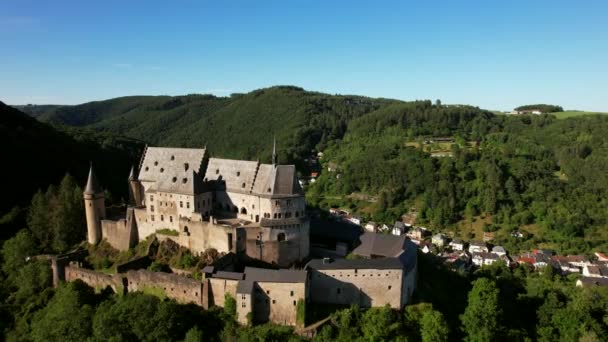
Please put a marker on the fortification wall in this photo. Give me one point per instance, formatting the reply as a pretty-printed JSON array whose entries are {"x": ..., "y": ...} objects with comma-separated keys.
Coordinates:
[
  {"x": 182, "y": 289},
  {"x": 95, "y": 279},
  {"x": 218, "y": 288},
  {"x": 276, "y": 302},
  {"x": 367, "y": 288},
  {"x": 117, "y": 233}
]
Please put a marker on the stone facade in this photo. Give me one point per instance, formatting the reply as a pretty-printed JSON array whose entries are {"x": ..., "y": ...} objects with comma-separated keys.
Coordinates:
[{"x": 230, "y": 205}]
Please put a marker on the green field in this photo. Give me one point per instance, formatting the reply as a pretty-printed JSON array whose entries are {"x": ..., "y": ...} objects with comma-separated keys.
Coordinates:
[{"x": 575, "y": 113}]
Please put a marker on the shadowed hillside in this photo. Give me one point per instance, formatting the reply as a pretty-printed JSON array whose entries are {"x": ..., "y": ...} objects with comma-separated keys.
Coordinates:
[{"x": 35, "y": 155}]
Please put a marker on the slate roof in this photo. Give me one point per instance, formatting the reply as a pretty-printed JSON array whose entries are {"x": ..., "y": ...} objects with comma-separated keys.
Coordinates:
[
  {"x": 228, "y": 275},
  {"x": 381, "y": 245},
  {"x": 245, "y": 286},
  {"x": 173, "y": 169},
  {"x": 232, "y": 173},
  {"x": 361, "y": 264},
  {"x": 275, "y": 276},
  {"x": 592, "y": 281},
  {"x": 93, "y": 186},
  {"x": 277, "y": 180}
]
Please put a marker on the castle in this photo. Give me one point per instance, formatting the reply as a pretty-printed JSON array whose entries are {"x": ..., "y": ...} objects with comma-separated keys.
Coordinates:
[
  {"x": 244, "y": 209},
  {"x": 238, "y": 206}
]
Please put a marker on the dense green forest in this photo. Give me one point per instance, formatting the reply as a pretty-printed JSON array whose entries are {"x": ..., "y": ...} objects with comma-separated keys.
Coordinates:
[
  {"x": 545, "y": 175},
  {"x": 35, "y": 155},
  {"x": 543, "y": 108},
  {"x": 239, "y": 126}
]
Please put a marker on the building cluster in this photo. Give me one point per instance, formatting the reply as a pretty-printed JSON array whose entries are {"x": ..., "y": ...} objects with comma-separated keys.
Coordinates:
[
  {"x": 250, "y": 212},
  {"x": 243, "y": 207}
]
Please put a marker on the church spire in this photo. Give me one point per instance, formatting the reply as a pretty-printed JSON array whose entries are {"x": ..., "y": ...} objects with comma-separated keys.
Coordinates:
[
  {"x": 92, "y": 187},
  {"x": 274, "y": 151}
]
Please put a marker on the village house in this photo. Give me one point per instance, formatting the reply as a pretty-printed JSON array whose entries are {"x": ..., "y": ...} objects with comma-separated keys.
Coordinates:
[
  {"x": 595, "y": 271},
  {"x": 499, "y": 250},
  {"x": 601, "y": 256},
  {"x": 477, "y": 247},
  {"x": 591, "y": 281},
  {"x": 484, "y": 258},
  {"x": 439, "y": 240},
  {"x": 399, "y": 228},
  {"x": 457, "y": 245},
  {"x": 356, "y": 220},
  {"x": 371, "y": 227}
]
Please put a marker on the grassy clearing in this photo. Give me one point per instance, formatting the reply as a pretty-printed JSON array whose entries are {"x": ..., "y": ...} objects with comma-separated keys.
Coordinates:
[
  {"x": 167, "y": 231},
  {"x": 575, "y": 113}
]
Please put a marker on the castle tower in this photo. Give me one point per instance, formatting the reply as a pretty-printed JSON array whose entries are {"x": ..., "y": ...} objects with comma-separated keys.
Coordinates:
[
  {"x": 135, "y": 189},
  {"x": 95, "y": 207}
]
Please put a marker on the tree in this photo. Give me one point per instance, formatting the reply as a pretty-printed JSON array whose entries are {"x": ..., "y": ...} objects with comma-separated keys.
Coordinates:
[
  {"x": 230, "y": 306},
  {"x": 67, "y": 317},
  {"x": 16, "y": 250},
  {"x": 194, "y": 335},
  {"x": 433, "y": 327},
  {"x": 482, "y": 315}
]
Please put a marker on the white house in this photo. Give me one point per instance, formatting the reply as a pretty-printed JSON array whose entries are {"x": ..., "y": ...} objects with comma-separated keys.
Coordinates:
[
  {"x": 477, "y": 247},
  {"x": 457, "y": 245},
  {"x": 499, "y": 250},
  {"x": 439, "y": 239},
  {"x": 371, "y": 227}
]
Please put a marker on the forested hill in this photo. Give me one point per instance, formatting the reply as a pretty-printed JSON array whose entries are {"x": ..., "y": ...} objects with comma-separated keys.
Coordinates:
[
  {"x": 239, "y": 126},
  {"x": 35, "y": 155}
]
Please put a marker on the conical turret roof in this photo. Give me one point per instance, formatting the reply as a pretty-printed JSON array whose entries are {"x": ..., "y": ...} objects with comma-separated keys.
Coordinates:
[{"x": 93, "y": 186}]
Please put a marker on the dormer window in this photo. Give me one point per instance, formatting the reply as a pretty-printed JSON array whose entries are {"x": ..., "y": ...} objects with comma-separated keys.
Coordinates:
[
  {"x": 155, "y": 163},
  {"x": 174, "y": 179},
  {"x": 147, "y": 168},
  {"x": 162, "y": 170},
  {"x": 172, "y": 157}
]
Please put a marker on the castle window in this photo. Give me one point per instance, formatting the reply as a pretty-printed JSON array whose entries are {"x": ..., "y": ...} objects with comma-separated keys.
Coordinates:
[
  {"x": 243, "y": 211},
  {"x": 275, "y": 215},
  {"x": 186, "y": 229},
  {"x": 274, "y": 301},
  {"x": 174, "y": 179},
  {"x": 243, "y": 297},
  {"x": 238, "y": 173},
  {"x": 188, "y": 205},
  {"x": 267, "y": 291},
  {"x": 243, "y": 185},
  {"x": 170, "y": 218},
  {"x": 243, "y": 305},
  {"x": 268, "y": 189},
  {"x": 281, "y": 237},
  {"x": 185, "y": 180},
  {"x": 147, "y": 168},
  {"x": 338, "y": 290},
  {"x": 152, "y": 217},
  {"x": 297, "y": 214},
  {"x": 162, "y": 218},
  {"x": 186, "y": 166},
  {"x": 280, "y": 215},
  {"x": 151, "y": 198},
  {"x": 253, "y": 206},
  {"x": 294, "y": 303},
  {"x": 152, "y": 208},
  {"x": 389, "y": 287},
  {"x": 291, "y": 293},
  {"x": 217, "y": 171},
  {"x": 172, "y": 157},
  {"x": 162, "y": 170},
  {"x": 155, "y": 163},
  {"x": 277, "y": 203},
  {"x": 181, "y": 204}
]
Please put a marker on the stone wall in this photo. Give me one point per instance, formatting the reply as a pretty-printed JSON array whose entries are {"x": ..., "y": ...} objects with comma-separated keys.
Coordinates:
[
  {"x": 218, "y": 288},
  {"x": 180, "y": 288},
  {"x": 365, "y": 287},
  {"x": 95, "y": 279},
  {"x": 276, "y": 302}
]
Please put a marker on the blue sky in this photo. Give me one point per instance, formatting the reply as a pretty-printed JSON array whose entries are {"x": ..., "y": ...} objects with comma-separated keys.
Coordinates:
[{"x": 493, "y": 54}]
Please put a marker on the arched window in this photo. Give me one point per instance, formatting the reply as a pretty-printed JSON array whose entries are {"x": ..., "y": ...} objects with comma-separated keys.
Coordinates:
[
  {"x": 186, "y": 229},
  {"x": 243, "y": 211},
  {"x": 281, "y": 237}
]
